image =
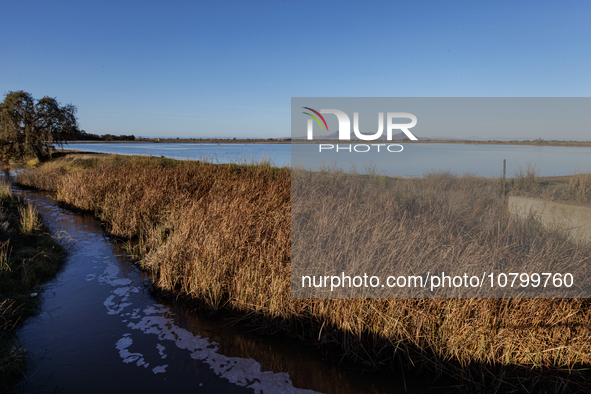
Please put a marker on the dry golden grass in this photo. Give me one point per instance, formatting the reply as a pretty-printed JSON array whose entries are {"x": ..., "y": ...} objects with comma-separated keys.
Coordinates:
[
  {"x": 30, "y": 222},
  {"x": 579, "y": 187},
  {"x": 5, "y": 192},
  {"x": 222, "y": 234},
  {"x": 573, "y": 188}
]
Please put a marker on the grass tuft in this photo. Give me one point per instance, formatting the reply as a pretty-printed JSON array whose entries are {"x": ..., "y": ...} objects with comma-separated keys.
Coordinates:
[
  {"x": 30, "y": 221},
  {"x": 579, "y": 187}
]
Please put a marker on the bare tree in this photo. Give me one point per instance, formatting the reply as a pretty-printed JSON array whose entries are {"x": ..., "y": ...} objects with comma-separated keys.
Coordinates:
[{"x": 32, "y": 128}]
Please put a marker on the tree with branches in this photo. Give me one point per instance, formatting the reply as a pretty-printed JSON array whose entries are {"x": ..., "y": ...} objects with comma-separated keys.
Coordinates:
[{"x": 31, "y": 128}]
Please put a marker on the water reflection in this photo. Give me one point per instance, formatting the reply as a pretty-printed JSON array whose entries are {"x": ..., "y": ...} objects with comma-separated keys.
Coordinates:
[{"x": 303, "y": 363}]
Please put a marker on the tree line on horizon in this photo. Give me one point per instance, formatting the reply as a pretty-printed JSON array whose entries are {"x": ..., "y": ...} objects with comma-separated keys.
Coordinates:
[{"x": 84, "y": 136}]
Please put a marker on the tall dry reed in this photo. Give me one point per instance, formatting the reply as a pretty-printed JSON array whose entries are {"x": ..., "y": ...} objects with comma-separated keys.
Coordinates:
[
  {"x": 221, "y": 234},
  {"x": 579, "y": 187}
]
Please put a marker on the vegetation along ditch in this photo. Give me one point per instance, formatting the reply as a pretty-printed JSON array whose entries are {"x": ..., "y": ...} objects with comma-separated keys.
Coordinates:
[
  {"x": 28, "y": 256},
  {"x": 220, "y": 234}
]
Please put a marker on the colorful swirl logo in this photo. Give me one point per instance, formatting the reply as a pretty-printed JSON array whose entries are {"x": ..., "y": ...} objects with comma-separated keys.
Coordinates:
[{"x": 315, "y": 118}]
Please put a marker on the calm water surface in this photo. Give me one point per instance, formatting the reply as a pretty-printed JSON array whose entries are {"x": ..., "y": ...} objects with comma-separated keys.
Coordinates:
[
  {"x": 414, "y": 160},
  {"x": 278, "y": 154}
]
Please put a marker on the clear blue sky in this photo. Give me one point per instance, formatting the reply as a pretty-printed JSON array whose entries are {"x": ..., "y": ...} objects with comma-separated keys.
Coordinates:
[{"x": 230, "y": 68}]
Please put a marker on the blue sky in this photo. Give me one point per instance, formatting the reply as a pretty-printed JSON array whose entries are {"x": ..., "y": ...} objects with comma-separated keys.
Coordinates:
[{"x": 230, "y": 68}]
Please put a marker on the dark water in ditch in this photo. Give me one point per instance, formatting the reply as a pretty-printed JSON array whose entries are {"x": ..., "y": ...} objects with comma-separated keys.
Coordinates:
[{"x": 100, "y": 331}]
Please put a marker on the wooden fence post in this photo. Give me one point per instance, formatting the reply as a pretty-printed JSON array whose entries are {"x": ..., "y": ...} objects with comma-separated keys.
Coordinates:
[{"x": 504, "y": 179}]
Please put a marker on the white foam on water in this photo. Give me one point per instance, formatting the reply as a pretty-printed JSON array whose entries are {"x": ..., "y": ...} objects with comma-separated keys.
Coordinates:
[
  {"x": 160, "y": 369},
  {"x": 126, "y": 355},
  {"x": 161, "y": 350},
  {"x": 113, "y": 308},
  {"x": 110, "y": 276},
  {"x": 123, "y": 291},
  {"x": 240, "y": 371}
]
